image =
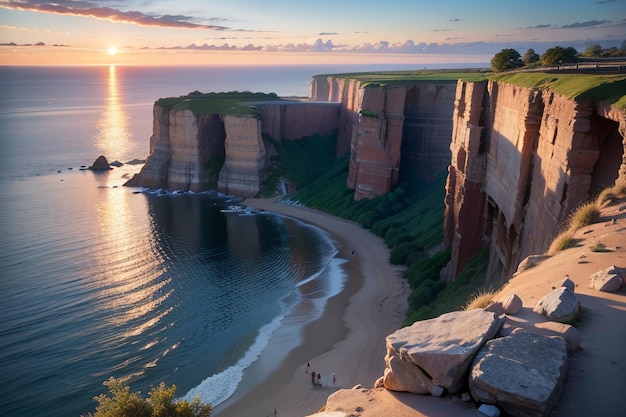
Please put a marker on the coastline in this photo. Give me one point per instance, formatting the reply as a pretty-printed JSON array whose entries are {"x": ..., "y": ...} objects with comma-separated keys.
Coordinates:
[{"x": 349, "y": 337}]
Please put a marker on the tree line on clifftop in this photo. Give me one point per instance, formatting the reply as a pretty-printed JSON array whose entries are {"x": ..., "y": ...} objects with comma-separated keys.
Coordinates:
[{"x": 510, "y": 59}]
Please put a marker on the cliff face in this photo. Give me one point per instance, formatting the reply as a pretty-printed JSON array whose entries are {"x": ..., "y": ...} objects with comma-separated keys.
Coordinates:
[
  {"x": 522, "y": 160},
  {"x": 245, "y": 163},
  {"x": 391, "y": 130},
  {"x": 222, "y": 152},
  {"x": 178, "y": 159}
]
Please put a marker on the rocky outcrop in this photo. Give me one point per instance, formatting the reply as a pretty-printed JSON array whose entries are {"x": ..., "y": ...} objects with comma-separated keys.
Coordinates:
[
  {"x": 522, "y": 373},
  {"x": 434, "y": 355},
  {"x": 100, "y": 164},
  {"x": 522, "y": 160}
]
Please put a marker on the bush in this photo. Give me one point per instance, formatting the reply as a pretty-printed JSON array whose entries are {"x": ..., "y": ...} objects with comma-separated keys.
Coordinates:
[{"x": 160, "y": 403}]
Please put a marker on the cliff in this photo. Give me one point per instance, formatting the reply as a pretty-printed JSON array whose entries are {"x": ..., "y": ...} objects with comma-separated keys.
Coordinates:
[
  {"x": 215, "y": 141},
  {"x": 392, "y": 130},
  {"x": 522, "y": 160}
]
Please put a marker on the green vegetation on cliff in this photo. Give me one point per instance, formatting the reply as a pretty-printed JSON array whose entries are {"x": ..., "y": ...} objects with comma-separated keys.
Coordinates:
[
  {"x": 376, "y": 79},
  {"x": 409, "y": 219},
  {"x": 231, "y": 103},
  {"x": 579, "y": 87}
]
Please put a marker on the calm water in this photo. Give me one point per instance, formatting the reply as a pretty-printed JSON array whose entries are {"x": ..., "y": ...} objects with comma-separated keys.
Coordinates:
[{"x": 98, "y": 281}]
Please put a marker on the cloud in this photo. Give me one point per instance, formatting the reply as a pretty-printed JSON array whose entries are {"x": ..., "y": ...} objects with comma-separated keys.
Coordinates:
[
  {"x": 604, "y": 2},
  {"x": 587, "y": 24},
  {"x": 578, "y": 25},
  {"x": 327, "y": 33},
  {"x": 538, "y": 27},
  {"x": 94, "y": 10},
  {"x": 455, "y": 20}
]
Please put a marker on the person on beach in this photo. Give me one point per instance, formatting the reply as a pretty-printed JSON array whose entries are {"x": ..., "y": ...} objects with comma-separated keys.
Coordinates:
[
  {"x": 334, "y": 378},
  {"x": 319, "y": 379},
  {"x": 308, "y": 364},
  {"x": 313, "y": 377}
]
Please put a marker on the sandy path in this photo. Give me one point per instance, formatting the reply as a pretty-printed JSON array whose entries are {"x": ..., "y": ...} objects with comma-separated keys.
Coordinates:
[{"x": 349, "y": 339}]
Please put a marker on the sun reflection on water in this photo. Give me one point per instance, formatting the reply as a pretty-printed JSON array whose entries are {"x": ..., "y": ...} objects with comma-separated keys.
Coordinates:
[{"x": 113, "y": 137}]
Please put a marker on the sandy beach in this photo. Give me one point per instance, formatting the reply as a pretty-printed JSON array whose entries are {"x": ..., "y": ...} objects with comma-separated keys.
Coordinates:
[{"x": 349, "y": 339}]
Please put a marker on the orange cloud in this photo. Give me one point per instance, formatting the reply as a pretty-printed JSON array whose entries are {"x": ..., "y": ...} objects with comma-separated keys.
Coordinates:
[{"x": 86, "y": 9}]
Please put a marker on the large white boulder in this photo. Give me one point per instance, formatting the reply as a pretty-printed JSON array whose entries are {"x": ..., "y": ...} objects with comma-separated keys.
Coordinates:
[{"x": 433, "y": 355}]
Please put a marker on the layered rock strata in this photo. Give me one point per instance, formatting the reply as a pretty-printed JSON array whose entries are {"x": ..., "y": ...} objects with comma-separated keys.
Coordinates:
[
  {"x": 206, "y": 151},
  {"x": 390, "y": 130},
  {"x": 523, "y": 159}
]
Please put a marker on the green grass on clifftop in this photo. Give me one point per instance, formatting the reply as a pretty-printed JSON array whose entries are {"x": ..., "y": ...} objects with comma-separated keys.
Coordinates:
[
  {"x": 403, "y": 77},
  {"x": 232, "y": 103},
  {"x": 579, "y": 87}
]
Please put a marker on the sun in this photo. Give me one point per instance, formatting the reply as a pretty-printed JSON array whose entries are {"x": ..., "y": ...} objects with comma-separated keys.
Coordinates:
[{"x": 112, "y": 50}]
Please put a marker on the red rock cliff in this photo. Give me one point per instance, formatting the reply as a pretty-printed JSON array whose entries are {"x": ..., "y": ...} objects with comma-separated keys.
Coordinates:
[
  {"x": 390, "y": 130},
  {"x": 522, "y": 160}
]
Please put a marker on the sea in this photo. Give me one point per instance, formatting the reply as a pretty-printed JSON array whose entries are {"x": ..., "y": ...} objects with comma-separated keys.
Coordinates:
[{"x": 98, "y": 280}]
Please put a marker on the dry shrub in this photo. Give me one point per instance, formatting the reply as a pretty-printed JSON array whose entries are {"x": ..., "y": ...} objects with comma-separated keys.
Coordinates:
[
  {"x": 584, "y": 215},
  {"x": 612, "y": 194},
  {"x": 481, "y": 299},
  {"x": 561, "y": 242}
]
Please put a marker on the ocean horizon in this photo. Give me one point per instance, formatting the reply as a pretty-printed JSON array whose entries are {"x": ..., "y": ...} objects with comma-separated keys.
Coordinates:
[{"x": 102, "y": 280}]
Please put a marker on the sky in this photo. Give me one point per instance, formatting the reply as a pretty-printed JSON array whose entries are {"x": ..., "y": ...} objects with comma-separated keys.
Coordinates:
[{"x": 188, "y": 32}]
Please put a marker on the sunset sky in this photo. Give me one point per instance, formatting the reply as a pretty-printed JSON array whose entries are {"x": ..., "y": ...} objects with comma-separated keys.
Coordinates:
[{"x": 289, "y": 31}]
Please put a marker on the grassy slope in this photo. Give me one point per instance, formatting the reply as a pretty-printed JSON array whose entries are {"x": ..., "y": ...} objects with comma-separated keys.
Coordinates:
[
  {"x": 610, "y": 87},
  {"x": 232, "y": 103}
]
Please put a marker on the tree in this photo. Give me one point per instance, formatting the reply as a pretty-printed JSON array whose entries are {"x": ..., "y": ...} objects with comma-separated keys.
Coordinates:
[
  {"x": 559, "y": 55},
  {"x": 160, "y": 403},
  {"x": 594, "y": 50},
  {"x": 530, "y": 57},
  {"x": 506, "y": 59}
]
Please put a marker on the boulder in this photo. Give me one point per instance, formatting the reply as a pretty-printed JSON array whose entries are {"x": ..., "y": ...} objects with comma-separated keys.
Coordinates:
[
  {"x": 560, "y": 305},
  {"x": 434, "y": 354},
  {"x": 608, "y": 280},
  {"x": 522, "y": 373},
  {"x": 569, "y": 333},
  {"x": 512, "y": 305},
  {"x": 100, "y": 164}
]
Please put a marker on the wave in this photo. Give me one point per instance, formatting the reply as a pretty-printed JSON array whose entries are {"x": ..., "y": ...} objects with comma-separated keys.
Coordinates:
[{"x": 219, "y": 387}]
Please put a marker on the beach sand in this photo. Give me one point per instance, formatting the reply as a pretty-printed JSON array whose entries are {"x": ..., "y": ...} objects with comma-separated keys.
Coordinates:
[{"x": 349, "y": 338}]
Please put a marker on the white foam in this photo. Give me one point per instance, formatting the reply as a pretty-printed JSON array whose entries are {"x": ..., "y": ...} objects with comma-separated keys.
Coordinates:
[{"x": 219, "y": 387}]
